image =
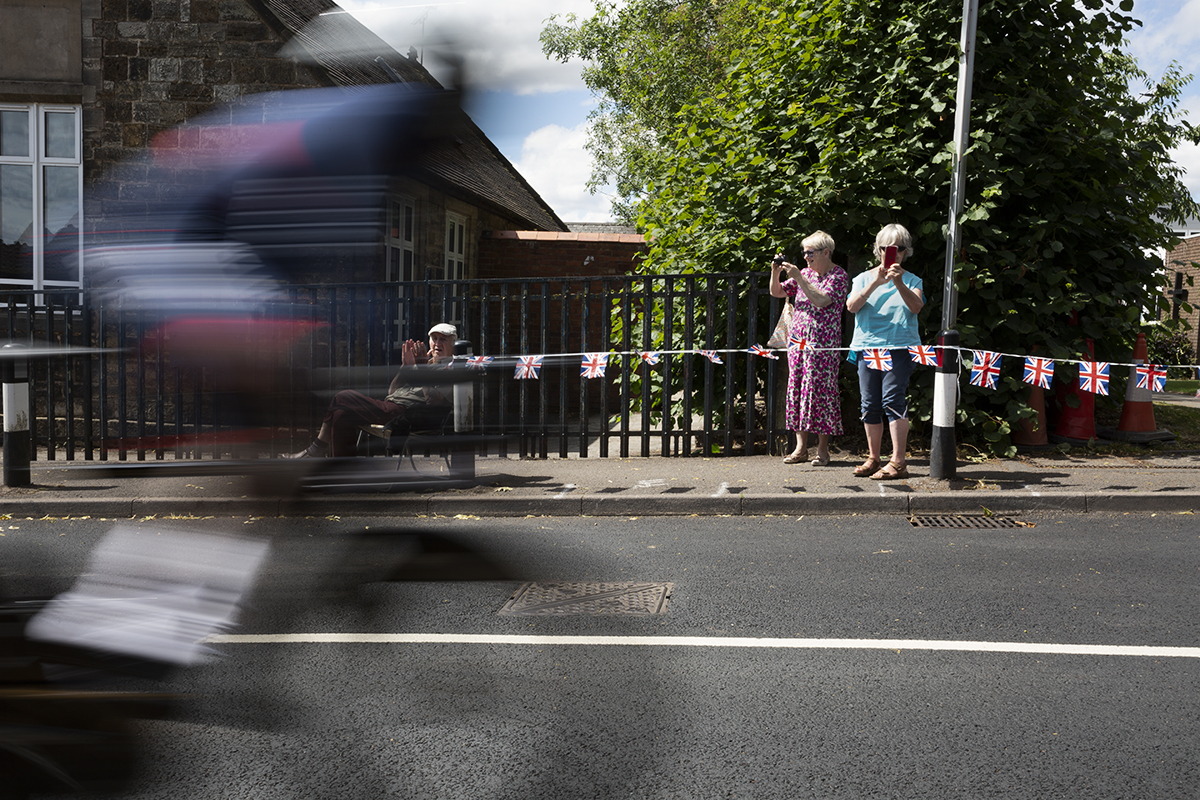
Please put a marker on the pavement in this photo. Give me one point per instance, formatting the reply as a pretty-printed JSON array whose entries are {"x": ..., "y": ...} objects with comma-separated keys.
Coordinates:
[{"x": 1155, "y": 480}]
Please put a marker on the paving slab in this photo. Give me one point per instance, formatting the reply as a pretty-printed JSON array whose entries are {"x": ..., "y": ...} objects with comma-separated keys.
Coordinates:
[
  {"x": 747, "y": 485},
  {"x": 1157, "y": 480}
]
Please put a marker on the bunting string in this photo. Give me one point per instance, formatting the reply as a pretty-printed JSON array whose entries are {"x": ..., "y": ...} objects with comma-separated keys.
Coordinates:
[
  {"x": 928, "y": 356},
  {"x": 983, "y": 365}
]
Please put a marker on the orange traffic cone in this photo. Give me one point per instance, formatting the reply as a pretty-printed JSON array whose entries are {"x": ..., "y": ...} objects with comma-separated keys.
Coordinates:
[
  {"x": 1076, "y": 419},
  {"x": 1031, "y": 431},
  {"x": 1137, "y": 414}
]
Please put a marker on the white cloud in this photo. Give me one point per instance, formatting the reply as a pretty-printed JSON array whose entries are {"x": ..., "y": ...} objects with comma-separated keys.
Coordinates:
[
  {"x": 1171, "y": 33},
  {"x": 1188, "y": 157},
  {"x": 499, "y": 39},
  {"x": 503, "y": 53},
  {"x": 557, "y": 166}
]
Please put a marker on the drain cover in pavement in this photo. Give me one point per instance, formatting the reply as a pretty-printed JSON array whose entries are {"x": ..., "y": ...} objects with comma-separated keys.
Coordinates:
[
  {"x": 964, "y": 521},
  {"x": 541, "y": 599}
]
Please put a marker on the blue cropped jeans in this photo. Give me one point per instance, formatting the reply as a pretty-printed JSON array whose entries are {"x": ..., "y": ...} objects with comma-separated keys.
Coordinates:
[{"x": 885, "y": 394}]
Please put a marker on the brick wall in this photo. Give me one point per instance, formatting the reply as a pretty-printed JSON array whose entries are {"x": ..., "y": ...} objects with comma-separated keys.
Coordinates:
[
  {"x": 537, "y": 254},
  {"x": 1181, "y": 260},
  {"x": 155, "y": 63},
  {"x": 547, "y": 254}
]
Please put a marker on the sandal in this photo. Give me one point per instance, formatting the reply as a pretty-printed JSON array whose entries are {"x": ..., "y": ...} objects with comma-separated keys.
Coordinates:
[
  {"x": 821, "y": 460},
  {"x": 868, "y": 468},
  {"x": 891, "y": 472},
  {"x": 796, "y": 458}
]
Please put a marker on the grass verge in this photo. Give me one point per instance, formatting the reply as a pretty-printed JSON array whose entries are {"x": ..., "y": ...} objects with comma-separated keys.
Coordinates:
[{"x": 1180, "y": 386}]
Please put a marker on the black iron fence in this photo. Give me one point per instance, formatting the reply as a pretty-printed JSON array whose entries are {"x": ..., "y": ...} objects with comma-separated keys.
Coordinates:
[{"x": 678, "y": 381}]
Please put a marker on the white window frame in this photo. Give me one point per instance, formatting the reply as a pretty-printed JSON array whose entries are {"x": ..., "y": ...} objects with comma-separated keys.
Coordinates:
[
  {"x": 38, "y": 161},
  {"x": 454, "y": 262},
  {"x": 401, "y": 240},
  {"x": 400, "y": 255},
  {"x": 454, "y": 265}
]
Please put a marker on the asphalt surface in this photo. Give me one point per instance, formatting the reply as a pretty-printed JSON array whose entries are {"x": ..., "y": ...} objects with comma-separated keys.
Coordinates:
[{"x": 794, "y": 660}]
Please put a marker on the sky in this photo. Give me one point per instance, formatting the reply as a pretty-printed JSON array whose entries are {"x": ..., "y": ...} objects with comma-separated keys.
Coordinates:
[{"x": 535, "y": 110}]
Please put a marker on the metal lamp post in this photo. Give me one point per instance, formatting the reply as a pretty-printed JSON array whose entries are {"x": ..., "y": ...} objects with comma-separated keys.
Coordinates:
[{"x": 943, "y": 448}]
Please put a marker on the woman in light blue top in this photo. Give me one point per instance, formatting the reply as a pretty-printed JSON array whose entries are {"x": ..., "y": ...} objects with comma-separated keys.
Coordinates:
[{"x": 885, "y": 301}]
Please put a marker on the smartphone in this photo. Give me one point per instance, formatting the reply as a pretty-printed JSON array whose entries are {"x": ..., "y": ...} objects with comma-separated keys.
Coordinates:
[{"x": 889, "y": 256}]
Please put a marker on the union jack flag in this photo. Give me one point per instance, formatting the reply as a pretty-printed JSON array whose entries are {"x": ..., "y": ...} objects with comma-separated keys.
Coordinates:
[
  {"x": 712, "y": 356},
  {"x": 926, "y": 355},
  {"x": 478, "y": 362},
  {"x": 593, "y": 365},
  {"x": 798, "y": 342},
  {"x": 1093, "y": 376},
  {"x": 1039, "y": 371},
  {"x": 1152, "y": 377},
  {"x": 879, "y": 359},
  {"x": 759, "y": 350},
  {"x": 528, "y": 367},
  {"x": 985, "y": 369},
  {"x": 650, "y": 357}
]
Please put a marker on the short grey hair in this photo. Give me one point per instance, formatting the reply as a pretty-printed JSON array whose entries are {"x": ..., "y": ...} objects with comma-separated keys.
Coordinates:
[
  {"x": 818, "y": 241},
  {"x": 893, "y": 234}
]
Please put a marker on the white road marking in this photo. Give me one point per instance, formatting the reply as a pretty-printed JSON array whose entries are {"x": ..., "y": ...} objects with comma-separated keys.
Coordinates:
[
  {"x": 723, "y": 489},
  {"x": 650, "y": 484},
  {"x": 566, "y": 489},
  {"x": 1146, "y": 651}
]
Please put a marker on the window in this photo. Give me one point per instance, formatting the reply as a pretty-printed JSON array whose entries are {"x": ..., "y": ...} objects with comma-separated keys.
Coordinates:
[
  {"x": 401, "y": 240},
  {"x": 455, "y": 267},
  {"x": 456, "y": 253},
  {"x": 401, "y": 247},
  {"x": 41, "y": 189}
]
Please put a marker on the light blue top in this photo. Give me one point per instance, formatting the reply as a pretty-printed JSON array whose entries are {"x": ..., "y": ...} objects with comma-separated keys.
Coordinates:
[{"x": 884, "y": 321}]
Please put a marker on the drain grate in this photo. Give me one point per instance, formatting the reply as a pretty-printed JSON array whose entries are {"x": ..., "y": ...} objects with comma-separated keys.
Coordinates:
[
  {"x": 964, "y": 521},
  {"x": 542, "y": 599}
]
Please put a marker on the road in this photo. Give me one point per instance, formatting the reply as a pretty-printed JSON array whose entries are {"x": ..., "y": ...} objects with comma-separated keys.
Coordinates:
[{"x": 792, "y": 661}]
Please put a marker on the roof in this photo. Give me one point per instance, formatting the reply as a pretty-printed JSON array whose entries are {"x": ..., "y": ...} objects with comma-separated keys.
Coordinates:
[
  {"x": 568, "y": 236},
  {"x": 600, "y": 227},
  {"x": 340, "y": 51}
]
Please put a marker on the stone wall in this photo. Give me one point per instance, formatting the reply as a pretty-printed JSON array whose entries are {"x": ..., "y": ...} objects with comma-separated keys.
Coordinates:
[
  {"x": 156, "y": 63},
  {"x": 40, "y": 48}
]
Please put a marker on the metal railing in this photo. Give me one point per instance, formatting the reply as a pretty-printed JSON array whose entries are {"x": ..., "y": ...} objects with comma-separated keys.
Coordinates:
[{"x": 128, "y": 399}]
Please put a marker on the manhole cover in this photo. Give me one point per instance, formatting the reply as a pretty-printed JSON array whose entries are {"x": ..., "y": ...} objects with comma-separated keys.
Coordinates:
[
  {"x": 541, "y": 599},
  {"x": 964, "y": 521}
]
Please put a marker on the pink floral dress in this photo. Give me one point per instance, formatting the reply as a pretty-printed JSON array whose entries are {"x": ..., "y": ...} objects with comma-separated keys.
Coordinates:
[{"x": 813, "y": 404}]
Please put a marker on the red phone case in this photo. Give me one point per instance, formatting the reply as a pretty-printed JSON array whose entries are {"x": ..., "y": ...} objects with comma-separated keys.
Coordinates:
[{"x": 889, "y": 255}]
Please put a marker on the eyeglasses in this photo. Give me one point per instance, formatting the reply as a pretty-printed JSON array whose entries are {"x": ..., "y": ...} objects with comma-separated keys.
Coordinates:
[{"x": 811, "y": 253}]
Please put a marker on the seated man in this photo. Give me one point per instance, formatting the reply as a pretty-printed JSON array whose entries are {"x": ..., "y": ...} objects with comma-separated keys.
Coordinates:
[{"x": 421, "y": 407}]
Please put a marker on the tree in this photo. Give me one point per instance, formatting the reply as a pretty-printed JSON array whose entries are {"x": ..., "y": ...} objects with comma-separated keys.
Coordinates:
[
  {"x": 645, "y": 61},
  {"x": 839, "y": 118}
]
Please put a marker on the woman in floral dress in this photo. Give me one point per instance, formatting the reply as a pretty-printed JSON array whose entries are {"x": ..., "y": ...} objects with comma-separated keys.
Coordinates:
[{"x": 818, "y": 292}]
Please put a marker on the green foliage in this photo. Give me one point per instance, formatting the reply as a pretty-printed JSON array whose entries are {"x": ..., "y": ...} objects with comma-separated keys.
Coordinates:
[
  {"x": 1170, "y": 344},
  {"x": 839, "y": 118},
  {"x": 645, "y": 60}
]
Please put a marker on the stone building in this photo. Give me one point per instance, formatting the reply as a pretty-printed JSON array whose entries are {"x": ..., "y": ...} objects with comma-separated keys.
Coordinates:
[{"x": 86, "y": 86}]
